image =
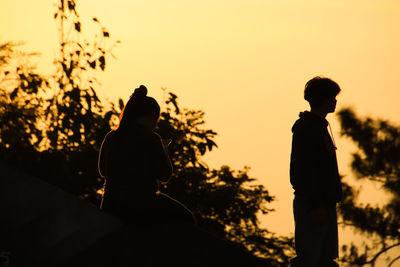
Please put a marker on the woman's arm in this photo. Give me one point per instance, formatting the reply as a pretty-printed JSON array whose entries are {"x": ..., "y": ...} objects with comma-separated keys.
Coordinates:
[{"x": 160, "y": 163}]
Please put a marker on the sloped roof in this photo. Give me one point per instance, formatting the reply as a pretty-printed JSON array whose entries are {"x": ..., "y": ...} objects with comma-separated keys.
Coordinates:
[{"x": 41, "y": 225}]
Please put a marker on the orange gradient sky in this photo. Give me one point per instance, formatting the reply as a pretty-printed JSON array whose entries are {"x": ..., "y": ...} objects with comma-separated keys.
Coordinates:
[{"x": 244, "y": 62}]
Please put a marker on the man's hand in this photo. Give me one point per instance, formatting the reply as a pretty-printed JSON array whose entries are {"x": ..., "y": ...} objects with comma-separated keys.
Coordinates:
[{"x": 318, "y": 216}]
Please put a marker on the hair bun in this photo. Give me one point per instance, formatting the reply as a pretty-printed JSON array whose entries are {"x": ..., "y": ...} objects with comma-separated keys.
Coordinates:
[{"x": 140, "y": 92}]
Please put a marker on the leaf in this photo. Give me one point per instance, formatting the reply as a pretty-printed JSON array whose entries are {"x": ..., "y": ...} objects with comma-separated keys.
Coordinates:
[
  {"x": 95, "y": 19},
  {"x": 211, "y": 144},
  {"x": 121, "y": 104},
  {"x": 71, "y": 5},
  {"x": 172, "y": 99},
  {"x": 107, "y": 116},
  {"x": 78, "y": 26},
  {"x": 102, "y": 61},
  {"x": 89, "y": 102},
  {"x": 95, "y": 97},
  {"x": 92, "y": 64},
  {"x": 14, "y": 93},
  {"x": 75, "y": 95}
]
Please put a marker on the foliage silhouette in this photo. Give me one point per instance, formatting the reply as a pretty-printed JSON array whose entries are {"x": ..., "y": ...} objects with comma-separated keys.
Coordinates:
[
  {"x": 75, "y": 116},
  {"x": 225, "y": 202},
  {"x": 59, "y": 119},
  {"x": 20, "y": 106},
  {"x": 377, "y": 160},
  {"x": 52, "y": 128}
]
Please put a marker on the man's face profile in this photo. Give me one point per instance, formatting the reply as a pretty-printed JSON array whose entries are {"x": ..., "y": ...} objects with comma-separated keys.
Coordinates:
[{"x": 329, "y": 104}]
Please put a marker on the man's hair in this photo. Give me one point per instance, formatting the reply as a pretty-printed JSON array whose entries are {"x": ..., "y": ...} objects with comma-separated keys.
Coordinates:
[{"x": 319, "y": 88}]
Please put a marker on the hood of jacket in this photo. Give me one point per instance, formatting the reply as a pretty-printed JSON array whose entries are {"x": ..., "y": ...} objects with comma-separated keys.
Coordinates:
[{"x": 307, "y": 119}]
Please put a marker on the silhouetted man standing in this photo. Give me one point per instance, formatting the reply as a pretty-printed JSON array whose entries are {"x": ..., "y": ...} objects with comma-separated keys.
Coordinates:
[{"x": 315, "y": 178}]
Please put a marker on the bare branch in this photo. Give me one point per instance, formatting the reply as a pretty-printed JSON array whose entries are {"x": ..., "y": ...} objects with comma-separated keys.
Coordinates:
[
  {"x": 394, "y": 260},
  {"x": 372, "y": 261}
]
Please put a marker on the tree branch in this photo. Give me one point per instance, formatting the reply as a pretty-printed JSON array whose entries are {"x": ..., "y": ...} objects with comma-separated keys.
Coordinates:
[
  {"x": 372, "y": 261},
  {"x": 395, "y": 259}
]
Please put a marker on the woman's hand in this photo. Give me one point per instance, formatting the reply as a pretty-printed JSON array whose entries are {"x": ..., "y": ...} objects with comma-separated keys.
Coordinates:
[{"x": 166, "y": 143}]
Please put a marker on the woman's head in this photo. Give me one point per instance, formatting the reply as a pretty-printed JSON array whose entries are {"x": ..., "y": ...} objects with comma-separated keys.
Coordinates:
[{"x": 140, "y": 109}]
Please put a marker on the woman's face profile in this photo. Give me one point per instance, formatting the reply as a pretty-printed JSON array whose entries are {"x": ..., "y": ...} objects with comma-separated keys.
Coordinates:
[{"x": 148, "y": 122}]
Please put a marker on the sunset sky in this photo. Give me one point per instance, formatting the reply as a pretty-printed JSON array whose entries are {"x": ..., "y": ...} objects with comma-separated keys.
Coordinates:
[{"x": 244, "y": 62}]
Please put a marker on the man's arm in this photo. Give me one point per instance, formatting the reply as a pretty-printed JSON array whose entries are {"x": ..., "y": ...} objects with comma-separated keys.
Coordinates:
[{"x": 305, "y": 163}]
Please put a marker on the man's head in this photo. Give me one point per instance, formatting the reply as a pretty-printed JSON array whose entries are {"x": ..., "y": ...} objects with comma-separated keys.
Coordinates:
[{"x": 321, "y": 93}]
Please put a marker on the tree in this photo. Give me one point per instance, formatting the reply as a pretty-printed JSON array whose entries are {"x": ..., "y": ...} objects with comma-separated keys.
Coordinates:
[
  {"x": 377, "y": 160},
  {"x": 54, "y": 125},
  {"x": 75, "y": 108},
  {"x": 75, "y": 117}
]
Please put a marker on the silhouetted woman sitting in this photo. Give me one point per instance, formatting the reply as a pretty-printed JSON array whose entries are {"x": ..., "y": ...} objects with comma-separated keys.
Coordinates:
[{"x": 133, "y": 159}]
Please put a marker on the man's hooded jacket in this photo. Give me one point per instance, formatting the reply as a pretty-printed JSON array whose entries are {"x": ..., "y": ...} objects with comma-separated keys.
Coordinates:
[{"x": 313, "y": 165}]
